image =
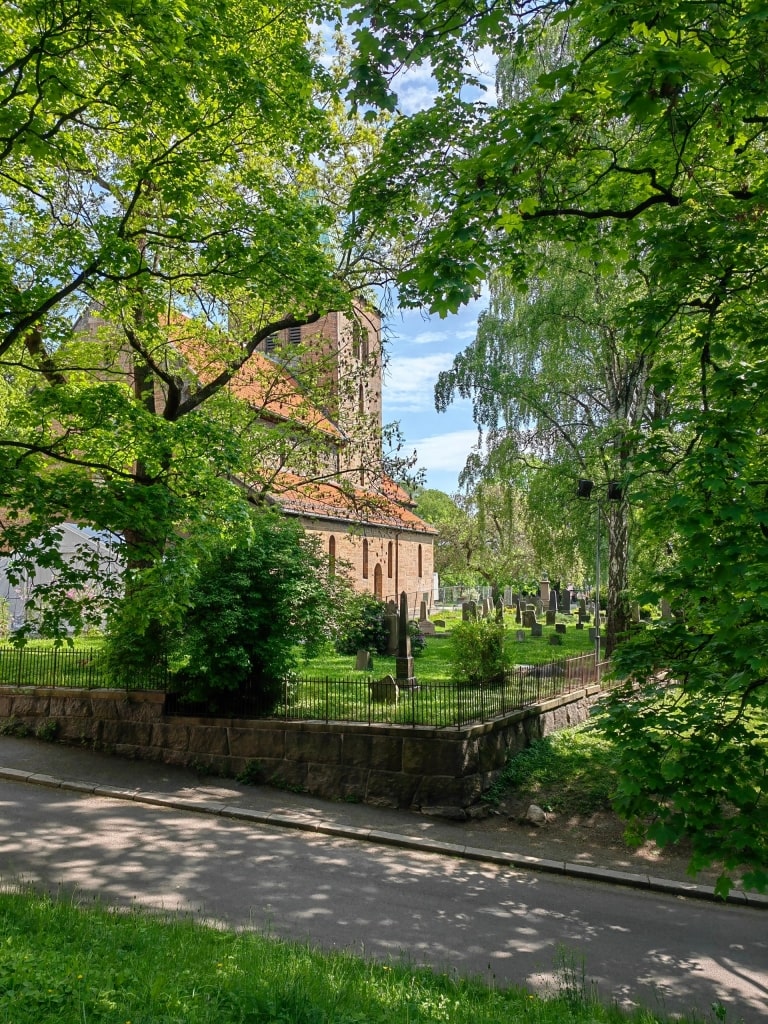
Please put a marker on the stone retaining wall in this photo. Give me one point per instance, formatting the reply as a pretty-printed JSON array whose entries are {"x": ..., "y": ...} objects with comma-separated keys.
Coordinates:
[{"x": 440, "y": 771}]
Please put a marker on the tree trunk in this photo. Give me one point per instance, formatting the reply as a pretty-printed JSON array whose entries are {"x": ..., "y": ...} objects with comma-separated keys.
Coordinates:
[{"x": 618, "y": 611}]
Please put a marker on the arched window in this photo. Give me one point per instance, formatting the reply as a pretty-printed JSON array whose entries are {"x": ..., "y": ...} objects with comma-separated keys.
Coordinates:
[
  {"x": 390, "y": 560},
  {"x": 360, "y": 399},
  {"x": 365, "y": 559},
  {"x": 421, "y": 573},
  {"x": 378, "y": 583},
  {"x": 332, "y": 555}
]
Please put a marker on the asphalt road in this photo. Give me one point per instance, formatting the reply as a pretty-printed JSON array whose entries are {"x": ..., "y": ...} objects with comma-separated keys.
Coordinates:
[{"x": 666, "y": 953}]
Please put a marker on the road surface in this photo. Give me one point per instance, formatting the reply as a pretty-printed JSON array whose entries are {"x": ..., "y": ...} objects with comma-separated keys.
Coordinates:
[{"x": 634, "y": 947}]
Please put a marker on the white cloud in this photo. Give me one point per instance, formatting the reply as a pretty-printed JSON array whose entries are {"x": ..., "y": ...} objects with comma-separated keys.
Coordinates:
[
  {"x": 445, "y": 452},
  {"x": 410, "y": 383}
]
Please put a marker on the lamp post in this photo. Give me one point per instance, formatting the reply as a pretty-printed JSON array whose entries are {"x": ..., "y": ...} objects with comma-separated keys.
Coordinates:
[{"x": 615, "y": 493}]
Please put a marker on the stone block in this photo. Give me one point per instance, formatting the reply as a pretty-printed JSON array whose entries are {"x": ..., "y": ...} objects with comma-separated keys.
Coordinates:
[
  {"x": 137, "y": 734},
  {"x": 438, "y": 756},
  {"x": 560, "y": 627},
  {"x": 391, "y": 789},
  {"x": 336, "y": 782},
  {"x": 289, "y": 775},
  {"x": 208, "y": 740},
  {"x": 447, "y": 791},
  {"x": 368, "y": 750},
  {"x": 170, "y": 736},
  {"x": 323, "y": 747},
  {"x": 256, "y": 743},
  {"x": 536, "y": 629}
]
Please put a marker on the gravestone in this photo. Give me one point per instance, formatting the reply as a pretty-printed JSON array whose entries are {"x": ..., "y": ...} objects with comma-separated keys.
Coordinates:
[
  {"x": 579, "y": 624},
  {"x": 566, "y": 608},
  {"x": 403, "y": 661},
  {"x": 499, "y": 610},
  {"x": 555, "y": 639},
  {"x": 423, "y": 612},
  {"x": 539, "y": 605},
  {"x": 392, "y": 622},
  {"x": 529, "y": 617},
  {"x": 472, "y": 611},
  {"x": 465, "y": 611},
  {"x": 363, "y": 662},
  {"x": 544, "y": 588},
  {"x": 560, "y": 627},
  {"x": 508, "y": 597},
  {"x": 582, "y": 606},
  {"x": 392, "y": 607},
  {"x": 553, "y": 600},
  {"x": 593, "y": 634},
  {"x": 384, "y": 691},
  {"x": 519, "y": 635},
  {"x": 485, "y": 608},
  {"x": 536, "y": 629},
  {"x": 440, "y": 623},
  {"x": 518, "y": 613},
  {"x": 551, "y": 616},
  {"x": 427, "y": 628}
]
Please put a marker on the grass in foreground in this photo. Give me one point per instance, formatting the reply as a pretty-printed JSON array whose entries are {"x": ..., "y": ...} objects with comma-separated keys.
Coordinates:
[{"x": 88, "y": 965}]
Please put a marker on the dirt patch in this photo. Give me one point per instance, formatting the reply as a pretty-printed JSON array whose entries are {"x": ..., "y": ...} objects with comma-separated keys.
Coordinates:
[{"x": 596, "y": 839}]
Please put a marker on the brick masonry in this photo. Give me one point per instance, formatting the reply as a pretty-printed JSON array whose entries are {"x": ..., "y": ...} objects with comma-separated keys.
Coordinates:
[{"x": 437, "y": 771}]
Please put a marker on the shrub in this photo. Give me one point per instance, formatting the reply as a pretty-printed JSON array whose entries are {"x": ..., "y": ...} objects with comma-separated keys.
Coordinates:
[
  {"x": 252, "y": 604},
  {"x": 362, "y": 625},
  {"x": 477, "y": 651}
]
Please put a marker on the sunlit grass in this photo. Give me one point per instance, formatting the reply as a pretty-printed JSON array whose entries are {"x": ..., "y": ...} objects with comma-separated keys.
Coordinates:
[{"x": 88, "y": 965}]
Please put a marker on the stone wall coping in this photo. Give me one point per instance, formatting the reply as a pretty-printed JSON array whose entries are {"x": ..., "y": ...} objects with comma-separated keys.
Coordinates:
[{"x": 98, "y": 693}]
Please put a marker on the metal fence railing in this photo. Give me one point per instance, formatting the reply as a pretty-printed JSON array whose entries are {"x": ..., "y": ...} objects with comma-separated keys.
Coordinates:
[
  {"x": 68, "y": 667},
  {"x": 355, "y": 699}
]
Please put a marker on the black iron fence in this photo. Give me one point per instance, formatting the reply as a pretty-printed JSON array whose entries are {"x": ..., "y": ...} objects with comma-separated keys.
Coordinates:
[
  {"x": 434, "y": 704},
  {"x": 325, "y": 699},
  {"x": 68, "y": 667}
]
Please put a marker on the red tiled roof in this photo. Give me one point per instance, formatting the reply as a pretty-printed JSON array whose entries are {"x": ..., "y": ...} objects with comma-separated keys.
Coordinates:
[
  {"x": 261, "y": 382},
  {"x": 324, "y": 500}
]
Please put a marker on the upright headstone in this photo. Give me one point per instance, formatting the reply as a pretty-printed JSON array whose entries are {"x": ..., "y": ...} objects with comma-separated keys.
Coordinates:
[
  {"x": 423, "y": 612},
  {"x": 519, "y": 635},
  {"x": 499, "y": 610},
  {"x": 518, "y": 613},
  {"x": 465, "y": 616},
  {"x": 485, "y": 608},
  {"x": 553, "y": 600},
  {"x": 384, "y": 691},
  {"x": 544, "y": 588},
  {"x": 555, "y": 639},
  {"x": 403, "y": 661},
  {"x": 529, "y": 617},
  {"x": 539, "y": 605},
  {"x": 566, "y": 607},
  {"x": 582, "y": 605},
  {"x": 560, "y": 627},
  {"x": 392, "y": 622},
  {"x": 536, "y": 629},
  {"x": 472, "y": 606},
  {"x": 363, "y": 661},
  {"x": 508, "y": 597},
  {"x": 551, "y": 616}
]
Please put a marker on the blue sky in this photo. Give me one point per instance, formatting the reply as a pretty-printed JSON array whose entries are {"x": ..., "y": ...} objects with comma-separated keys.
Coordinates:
[{"x": 419, "y": 348}]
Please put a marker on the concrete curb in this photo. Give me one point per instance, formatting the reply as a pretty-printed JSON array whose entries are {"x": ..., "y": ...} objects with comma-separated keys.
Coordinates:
[{"x": 667, "y": 886}]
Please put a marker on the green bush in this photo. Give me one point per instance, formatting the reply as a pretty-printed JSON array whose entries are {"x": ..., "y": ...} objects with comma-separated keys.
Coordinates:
[
  {"x": 362, "y": 626},
  {"x": 477, "y": 651},
  {"x": 250, "y": 608}
]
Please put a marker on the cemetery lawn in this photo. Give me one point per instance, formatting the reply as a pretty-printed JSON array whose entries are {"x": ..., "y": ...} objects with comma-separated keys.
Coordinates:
[
  {"x": 73, "y": 963},
  {"x": 433, "y": 664}
]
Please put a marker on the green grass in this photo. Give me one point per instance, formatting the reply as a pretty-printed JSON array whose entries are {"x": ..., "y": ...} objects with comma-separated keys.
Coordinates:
[
  {"x": 89, "y": 965},
  {"x": 433, "y": 664},
  {"x": 573, "y": 770}
]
